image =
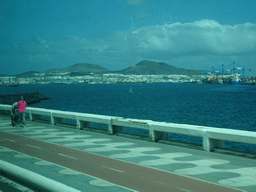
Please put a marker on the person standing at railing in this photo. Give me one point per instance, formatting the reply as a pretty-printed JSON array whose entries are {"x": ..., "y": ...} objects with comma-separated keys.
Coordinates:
[{"x": 22, "y": 111}]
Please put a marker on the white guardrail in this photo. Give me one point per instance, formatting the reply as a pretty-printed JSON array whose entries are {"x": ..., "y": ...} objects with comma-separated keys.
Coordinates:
[
  {"x": 212, "y": 137},
  {"x": 39, "y": 182}
]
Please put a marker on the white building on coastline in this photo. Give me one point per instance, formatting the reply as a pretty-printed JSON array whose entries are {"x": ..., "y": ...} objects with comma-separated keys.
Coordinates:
[{"x": 108, "y": 78}]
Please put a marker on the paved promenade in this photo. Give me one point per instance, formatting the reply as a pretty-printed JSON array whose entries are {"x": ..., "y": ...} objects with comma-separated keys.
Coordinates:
[{"x": 91, "y": 161}]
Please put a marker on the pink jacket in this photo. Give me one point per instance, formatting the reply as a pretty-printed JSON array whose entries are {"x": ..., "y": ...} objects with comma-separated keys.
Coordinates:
[{"x": 22, "y": 106}]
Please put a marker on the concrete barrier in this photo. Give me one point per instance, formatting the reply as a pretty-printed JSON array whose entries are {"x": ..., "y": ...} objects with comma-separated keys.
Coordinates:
[
  {"x": 212, "y": 137},
  {"x": 37, "y": 113},
  {"x": 35, "y": 180},
  {"x": 215, "y": 137},
  {"x": 84, "y": 120},
  {"x": 118, "y": 124},
  {"x": 5, "y": 109},
  {"x": 60, "y": 116}
]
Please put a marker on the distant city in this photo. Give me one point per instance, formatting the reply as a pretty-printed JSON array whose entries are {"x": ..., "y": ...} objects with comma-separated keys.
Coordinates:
[
  {"x": 143, "y": 72},
  {"x": 65, "y": 78}
]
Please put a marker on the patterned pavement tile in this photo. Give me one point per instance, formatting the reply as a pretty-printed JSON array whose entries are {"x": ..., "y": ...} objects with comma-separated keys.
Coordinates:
[{"x": 222, "y": 171}]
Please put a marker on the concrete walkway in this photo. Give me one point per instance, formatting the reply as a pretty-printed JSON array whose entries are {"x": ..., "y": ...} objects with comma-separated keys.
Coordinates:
[{"x": 193, "y": 167}]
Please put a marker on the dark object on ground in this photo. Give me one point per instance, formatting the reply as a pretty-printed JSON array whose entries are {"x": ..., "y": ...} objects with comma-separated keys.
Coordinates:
[
  {"x": 30, "y": 98},
  {"x": 14, "y": 114}
]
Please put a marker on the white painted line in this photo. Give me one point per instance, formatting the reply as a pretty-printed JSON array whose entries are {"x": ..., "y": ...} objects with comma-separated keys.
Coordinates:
[
  {"x": 113, "y": 169},
  {"x": 34, "y": 146},
  {"x": 10, "y": 140},
  {"x": 67, "y": 156},
  {"x": 184, "y": 189},
  {"x": 162, "y": 183},
  {"x": 174, "y": 186}
]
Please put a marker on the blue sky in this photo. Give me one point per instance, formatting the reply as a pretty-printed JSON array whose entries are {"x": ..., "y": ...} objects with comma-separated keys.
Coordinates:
[{"x": 37, "y": 35}]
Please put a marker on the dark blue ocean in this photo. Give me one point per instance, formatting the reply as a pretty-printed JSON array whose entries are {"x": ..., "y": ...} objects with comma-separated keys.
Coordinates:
[{"x": 222, "y": 106}]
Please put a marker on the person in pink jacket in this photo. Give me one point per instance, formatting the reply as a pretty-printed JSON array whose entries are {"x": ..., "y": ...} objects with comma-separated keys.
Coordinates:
[{"x": 22, "y": 111}]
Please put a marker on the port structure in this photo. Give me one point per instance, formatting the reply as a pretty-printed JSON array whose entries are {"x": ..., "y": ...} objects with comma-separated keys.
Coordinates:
[{"x": 234, "y": 75}]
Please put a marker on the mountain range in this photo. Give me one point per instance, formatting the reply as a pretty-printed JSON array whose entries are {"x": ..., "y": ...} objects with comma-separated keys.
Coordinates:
[
  {"x": 142, "y": 68},
  {"x": 153, "y": 68}
]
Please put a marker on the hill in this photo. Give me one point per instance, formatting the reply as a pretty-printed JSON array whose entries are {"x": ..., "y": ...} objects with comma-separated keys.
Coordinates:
[
  {"x": 142, "y": 68},
  {"x": 3, "y": 75},
  {"x": 153, "y": 68},
  {"x": 27, "y": 74},
  {"x": 81, "y": 69}
]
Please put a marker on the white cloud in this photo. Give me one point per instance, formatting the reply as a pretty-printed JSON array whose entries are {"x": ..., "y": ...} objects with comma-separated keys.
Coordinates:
[
  {"x": 197, "y": 45},
  {"x": 205, "y": 36}
]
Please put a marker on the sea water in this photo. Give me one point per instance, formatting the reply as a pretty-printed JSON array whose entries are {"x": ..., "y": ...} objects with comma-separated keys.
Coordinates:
[{"x": 221, "y": 106}]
